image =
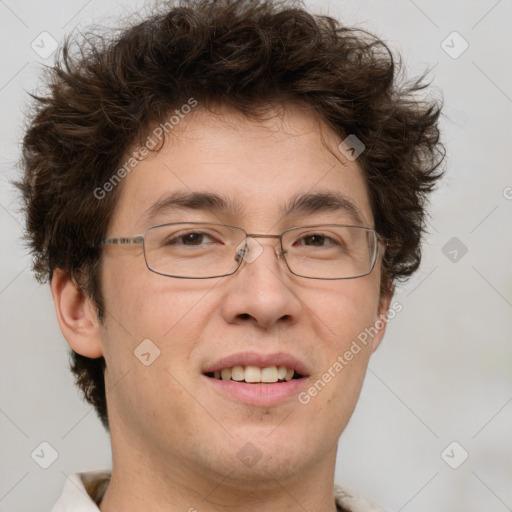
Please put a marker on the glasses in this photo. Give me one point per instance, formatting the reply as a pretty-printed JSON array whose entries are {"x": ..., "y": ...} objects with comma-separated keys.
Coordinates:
[{"x": 203, "y": 250}]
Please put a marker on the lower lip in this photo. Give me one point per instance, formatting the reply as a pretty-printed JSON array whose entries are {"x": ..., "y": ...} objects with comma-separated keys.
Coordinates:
[{"x": 258, "y": 394}]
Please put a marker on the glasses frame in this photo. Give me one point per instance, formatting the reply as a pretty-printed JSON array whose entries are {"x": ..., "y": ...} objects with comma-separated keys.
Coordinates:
[{"x": 140, "y": 240}]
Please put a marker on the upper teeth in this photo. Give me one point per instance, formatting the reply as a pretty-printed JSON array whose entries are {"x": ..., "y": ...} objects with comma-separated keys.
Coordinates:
[{"x": 255, "y": 374}]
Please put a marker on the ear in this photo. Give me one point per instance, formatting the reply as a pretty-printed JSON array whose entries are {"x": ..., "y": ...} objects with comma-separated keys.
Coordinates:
[
  {"x": 382, "y": 319},
  {"x": 76, "y": 315}
]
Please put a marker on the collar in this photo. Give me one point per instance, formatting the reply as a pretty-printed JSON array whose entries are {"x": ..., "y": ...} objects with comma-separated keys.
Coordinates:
[{"x": 84, "y": 491}]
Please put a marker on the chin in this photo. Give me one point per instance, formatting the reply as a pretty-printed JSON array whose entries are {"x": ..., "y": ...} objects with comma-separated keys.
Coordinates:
[{"x": 263, "y": 454}]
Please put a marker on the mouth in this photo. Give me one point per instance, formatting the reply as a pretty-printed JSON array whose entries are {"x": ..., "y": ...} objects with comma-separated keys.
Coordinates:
[
  {"x": 257, "y": 379},
  {"x": 251, "y": 374}
]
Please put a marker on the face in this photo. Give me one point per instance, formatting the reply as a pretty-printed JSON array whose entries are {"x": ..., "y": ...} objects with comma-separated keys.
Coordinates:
[{"x": 170, "y": 412}]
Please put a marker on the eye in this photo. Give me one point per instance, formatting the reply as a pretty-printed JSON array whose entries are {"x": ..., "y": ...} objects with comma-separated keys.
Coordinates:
[
  {"x": 317, "y": 240},
  {"x": 191, "y": 238}
]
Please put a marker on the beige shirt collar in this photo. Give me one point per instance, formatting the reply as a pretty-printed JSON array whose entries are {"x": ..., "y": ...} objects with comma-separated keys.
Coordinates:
[{"x": 84, "y": 491}]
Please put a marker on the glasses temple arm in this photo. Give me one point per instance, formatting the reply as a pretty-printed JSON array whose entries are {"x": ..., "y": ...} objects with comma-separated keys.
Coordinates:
[{"x": 131, "y": 240}]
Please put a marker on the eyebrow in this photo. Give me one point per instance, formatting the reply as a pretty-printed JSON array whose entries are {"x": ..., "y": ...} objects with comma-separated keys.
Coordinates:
[{"x": 300, "y": 203}]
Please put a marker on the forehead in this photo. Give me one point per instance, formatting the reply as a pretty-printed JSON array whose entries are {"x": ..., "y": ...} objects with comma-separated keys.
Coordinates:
[{"x": 285, "y": 168}]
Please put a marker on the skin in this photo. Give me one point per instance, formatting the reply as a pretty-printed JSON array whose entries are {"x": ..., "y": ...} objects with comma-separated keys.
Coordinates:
[{"x": 174, "y": 439}]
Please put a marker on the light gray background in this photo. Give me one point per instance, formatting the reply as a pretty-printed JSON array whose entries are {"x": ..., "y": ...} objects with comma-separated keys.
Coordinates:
[{"x": 443, "y": 373}]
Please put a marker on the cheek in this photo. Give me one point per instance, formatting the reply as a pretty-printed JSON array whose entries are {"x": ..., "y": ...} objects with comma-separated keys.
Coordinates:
[
  {"x": 343, "y": 321},
  {"x": 155, "y": 320},
  {"x": 145, "y": 304},
  {"x": 347, "y": 310}
]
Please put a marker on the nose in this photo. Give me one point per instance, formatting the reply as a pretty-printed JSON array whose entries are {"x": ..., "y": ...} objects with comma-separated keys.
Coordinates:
[{"x": 261, "y": 292}]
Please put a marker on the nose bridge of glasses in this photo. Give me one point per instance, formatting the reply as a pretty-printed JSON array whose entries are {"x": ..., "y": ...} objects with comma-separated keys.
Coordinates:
[{"x": 250, "y": 249}]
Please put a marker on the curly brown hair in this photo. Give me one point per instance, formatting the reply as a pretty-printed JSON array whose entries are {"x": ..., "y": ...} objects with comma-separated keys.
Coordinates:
[{"x": 106, "y": 91}]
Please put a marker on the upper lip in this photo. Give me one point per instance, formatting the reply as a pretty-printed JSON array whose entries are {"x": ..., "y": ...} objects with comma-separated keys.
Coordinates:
[{"x": 260, "y": 360}]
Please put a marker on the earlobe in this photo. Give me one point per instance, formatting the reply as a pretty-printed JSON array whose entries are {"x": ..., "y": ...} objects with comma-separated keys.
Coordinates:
[
  {"x": 76, "y": 315},
  {"x": 381, "y": 320}
]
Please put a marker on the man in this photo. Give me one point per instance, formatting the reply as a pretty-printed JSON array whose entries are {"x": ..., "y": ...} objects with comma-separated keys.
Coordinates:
[{"x": 223, "y": 198}]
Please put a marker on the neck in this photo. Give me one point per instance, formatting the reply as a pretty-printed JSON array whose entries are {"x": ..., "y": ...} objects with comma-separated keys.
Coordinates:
[{"x": 146, "y": 482}]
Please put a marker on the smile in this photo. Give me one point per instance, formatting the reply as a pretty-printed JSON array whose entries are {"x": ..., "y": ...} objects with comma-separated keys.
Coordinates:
[
  {"x": 257, "y": 379},
  {"x": 255, "y": 375}
]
